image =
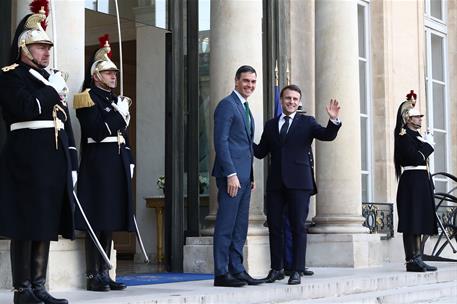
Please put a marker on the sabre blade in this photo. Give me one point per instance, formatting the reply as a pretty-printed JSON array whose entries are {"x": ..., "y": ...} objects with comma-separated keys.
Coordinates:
[
  {"x": 138, "y": 235},
  {"x": 92, "y": 233}
]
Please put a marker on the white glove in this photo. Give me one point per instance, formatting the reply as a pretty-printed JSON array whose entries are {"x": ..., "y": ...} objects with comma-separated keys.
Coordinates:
[
  {"x": 428, "y": 138},
  {"x": 55, "y": 80},
  {"x": 74, "y": 177},
  {"x": 132, "y": 170},
  {"x": 58, "y": 83},
  {"x": 123, "y": 105}
]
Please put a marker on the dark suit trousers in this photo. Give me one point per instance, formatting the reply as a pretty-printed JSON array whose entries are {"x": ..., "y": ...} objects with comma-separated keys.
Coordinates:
[
  {"x": 231, "y": 228},
  {"x": 297, "y": 202}
]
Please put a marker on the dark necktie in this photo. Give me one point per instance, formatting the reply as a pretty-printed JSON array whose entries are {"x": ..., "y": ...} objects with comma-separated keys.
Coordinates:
[
  {"x": 248, "y": 116},
  {"x": 283, "y": 131}
]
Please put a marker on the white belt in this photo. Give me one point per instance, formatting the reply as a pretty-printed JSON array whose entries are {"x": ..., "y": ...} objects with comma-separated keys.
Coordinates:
[
  {"x": 407, "y": 168},
  {"x": 35, "y": 124},
  {"x": 109, "y": 139}
]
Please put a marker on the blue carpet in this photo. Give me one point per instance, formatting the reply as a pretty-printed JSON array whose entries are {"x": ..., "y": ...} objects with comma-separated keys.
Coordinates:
[{"x": 160, "y": 278}]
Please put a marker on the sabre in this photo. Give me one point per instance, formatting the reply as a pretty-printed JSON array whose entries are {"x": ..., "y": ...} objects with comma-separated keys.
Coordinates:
[
  {"x": 92, "y": 233},
  {"x": 120, "y": 49},
  {"x": 54, "y": 33},
  {"x": 138, "y": 235}
]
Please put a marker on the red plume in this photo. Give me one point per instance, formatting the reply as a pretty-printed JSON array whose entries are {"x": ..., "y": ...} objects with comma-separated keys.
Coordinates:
[
  {"x": 35, "y": 7},
  {"x": 411, "y": 95},
  {"x": 102, "y": 41}
]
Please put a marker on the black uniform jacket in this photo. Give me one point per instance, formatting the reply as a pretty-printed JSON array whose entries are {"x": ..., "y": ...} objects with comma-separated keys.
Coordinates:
[
  {"x": 292, "y": 161},
  {"x": 104, "y": 182},
  {"x": 36, "y": 201},
  {"x": 415, "y": 202}
]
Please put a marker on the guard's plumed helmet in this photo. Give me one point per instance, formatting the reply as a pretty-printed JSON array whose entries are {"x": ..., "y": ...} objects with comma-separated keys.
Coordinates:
[
  {"x": 408, "y": 107},
  {"x": 33, "y": 32},
  {"x": 102, "y": 61}
]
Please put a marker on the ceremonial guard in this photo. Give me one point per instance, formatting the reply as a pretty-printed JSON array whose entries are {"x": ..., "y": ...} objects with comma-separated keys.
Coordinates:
[
  {"x": 106, "y": 168},
  {"x": 415, "y": 202},
  {"x": 37, "y": 161}
]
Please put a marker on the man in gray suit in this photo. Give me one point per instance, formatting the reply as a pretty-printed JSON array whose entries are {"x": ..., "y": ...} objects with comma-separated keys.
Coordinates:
[{"x": 233, "y": 138}]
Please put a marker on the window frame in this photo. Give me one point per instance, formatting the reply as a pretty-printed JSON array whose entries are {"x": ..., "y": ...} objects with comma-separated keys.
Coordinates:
[
  {"x": 437, "y": 27},
  {"x": 368, "y": 150}
]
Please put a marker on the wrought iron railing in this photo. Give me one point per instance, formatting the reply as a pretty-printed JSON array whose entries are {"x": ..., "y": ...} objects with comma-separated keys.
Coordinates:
[
  {"x": 379, "y": 218},
  {"x": 446, "y": 215}
]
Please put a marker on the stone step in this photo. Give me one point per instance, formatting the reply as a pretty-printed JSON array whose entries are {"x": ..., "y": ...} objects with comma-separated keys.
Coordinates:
[
  {"x": 426, "y": 293},
  {"x": 387, "y": 281}
]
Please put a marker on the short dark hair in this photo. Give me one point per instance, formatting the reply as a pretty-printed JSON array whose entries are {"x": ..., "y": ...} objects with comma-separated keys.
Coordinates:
[
  {"x": 291, "y": 87},
  {"x": 244, "y": 69}
]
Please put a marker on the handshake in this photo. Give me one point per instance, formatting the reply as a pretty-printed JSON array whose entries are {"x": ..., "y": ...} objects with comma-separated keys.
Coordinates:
[{"x": 122, "y": 106}]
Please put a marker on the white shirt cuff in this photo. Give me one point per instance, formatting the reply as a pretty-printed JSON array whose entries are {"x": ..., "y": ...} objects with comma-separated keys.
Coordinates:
[{"x": 336, "y": 121}]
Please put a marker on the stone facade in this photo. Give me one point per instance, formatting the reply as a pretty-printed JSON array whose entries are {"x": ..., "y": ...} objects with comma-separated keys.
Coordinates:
[{"x": 321, "y": 42}]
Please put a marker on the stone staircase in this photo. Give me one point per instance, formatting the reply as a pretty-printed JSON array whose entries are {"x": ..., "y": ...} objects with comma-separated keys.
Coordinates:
[{"x": 386, "y": 284}]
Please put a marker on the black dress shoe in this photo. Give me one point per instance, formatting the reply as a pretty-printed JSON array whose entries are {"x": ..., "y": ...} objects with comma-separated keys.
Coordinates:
[
  {"x": 245, "y": 277},
  {"x": 306, "y": 272},
  {"x": 294, "y": 278},
  {"x": 227, "y": 280},
  {"x": 96, "y": 283},
  {"x": 274, "y": 275},
  {"x": 43, "y": 295}
]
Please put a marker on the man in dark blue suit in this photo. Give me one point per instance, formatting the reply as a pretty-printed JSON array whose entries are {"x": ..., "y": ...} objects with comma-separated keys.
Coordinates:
[
  {"x": 233, "y": 139},
  {"x": 288, "y": 139}
]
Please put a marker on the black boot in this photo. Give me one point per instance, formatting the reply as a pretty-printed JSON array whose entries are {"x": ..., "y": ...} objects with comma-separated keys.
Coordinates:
[
  {"x": 94, "y": 279},
  {"x": 40, "y": 255},
  {"x": 412, "y": 253},
  {"x": 20, "y": 252},
  {"x": 106, "y": 239},
  {"x": 418, "y": 245}
]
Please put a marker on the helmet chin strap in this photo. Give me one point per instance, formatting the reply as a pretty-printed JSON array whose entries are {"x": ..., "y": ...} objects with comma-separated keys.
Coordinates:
[
  {"x": 28, "y": 54},
  {"x": 101, "y": 81},
  {"x": 415, "y": 125}
]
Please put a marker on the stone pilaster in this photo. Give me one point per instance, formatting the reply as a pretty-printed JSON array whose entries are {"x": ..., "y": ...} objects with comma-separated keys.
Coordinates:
[
  {"x": 234, "y": 24},
  {"x": 338, "y": 164}
]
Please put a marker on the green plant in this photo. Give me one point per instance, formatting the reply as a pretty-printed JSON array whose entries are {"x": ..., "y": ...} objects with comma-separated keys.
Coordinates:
[
  {"x": 161, "y": 182},
  {"x": 203, "y": 183}
]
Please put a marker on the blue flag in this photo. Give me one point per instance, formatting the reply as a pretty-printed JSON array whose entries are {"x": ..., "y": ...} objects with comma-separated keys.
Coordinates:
[{"x": 278, "y": 109}]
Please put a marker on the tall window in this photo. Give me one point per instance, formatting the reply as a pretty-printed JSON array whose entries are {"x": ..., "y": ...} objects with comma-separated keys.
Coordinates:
[
  {"x": 365, "y": 98},
  {"x": 436, "y": 85}
]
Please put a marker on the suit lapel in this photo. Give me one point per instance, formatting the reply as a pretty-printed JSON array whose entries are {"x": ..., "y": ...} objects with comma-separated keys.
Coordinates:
[
  {"x": 292, "y": 127},
  {"x": 242, "y": 112},
  {"x": 276, "y": 129}
]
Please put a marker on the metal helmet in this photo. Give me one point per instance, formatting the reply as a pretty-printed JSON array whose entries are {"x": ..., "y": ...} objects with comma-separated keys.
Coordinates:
[
  {"x": 408, "y": 108},
  {"x": 102, "y": 62},
  {"x": 33, "y": 33}
]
